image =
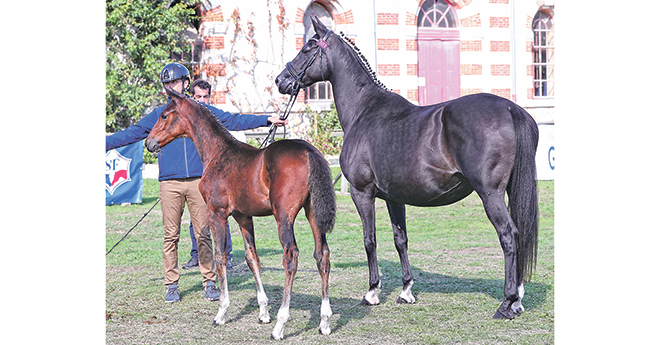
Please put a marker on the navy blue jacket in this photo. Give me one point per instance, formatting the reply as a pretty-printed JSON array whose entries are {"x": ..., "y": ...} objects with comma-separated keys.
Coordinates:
[{"x": 179, "y": 159}]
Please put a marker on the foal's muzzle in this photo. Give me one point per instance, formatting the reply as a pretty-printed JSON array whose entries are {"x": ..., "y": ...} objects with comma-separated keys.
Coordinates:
[{"x": 152, "y": 145}]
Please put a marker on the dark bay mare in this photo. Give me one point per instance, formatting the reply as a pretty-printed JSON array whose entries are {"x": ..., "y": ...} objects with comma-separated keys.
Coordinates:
[
  {"x": 427, "y": 156},
  {"x": 242, "y": 181}
]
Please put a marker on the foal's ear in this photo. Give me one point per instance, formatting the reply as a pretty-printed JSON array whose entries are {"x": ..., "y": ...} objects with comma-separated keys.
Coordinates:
[
  {"x": 318, "y": 26},
  {"x": 173, "y": 94}
]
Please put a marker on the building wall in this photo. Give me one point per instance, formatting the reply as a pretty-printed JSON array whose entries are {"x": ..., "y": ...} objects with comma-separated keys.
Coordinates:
[{"x": 247, "y": 46}]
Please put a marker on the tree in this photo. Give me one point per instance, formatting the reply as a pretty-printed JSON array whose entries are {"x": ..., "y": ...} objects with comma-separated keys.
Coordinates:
[{"x": 141, "y": 36}]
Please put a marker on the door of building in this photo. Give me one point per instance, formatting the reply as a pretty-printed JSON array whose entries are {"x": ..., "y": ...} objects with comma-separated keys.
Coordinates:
[{"x": 438, "y": 53}]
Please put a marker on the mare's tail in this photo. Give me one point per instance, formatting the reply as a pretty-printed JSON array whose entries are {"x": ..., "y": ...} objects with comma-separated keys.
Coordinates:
[
  {"x": 322, "y": 192},
  {"x": 523, "y": 199}
]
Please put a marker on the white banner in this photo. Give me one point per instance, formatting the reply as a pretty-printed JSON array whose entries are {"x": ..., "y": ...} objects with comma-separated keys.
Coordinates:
[{"x": 545, "y": 153}]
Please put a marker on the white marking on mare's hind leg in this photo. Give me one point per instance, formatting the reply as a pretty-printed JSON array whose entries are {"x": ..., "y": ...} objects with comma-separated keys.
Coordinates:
[
  {"x": 406, "y": 295},
  {"x": 371, "y": 297},
  {"x": 517, "y": 306},
  {"x": 326, "y": 313}
]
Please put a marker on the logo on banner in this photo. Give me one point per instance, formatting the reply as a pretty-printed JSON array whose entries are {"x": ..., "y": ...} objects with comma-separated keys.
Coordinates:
[
  {"x": 117, "y": 170},
  {"x": 551, "y": 157}
]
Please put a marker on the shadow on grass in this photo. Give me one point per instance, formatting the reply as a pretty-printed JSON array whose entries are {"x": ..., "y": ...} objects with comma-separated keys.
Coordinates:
[
  {"x": 241, "y": 278},
  {"x": 304, "y": 302},
  {"x": 347, "y": 310},
  {"x": 391, "y": 282}
]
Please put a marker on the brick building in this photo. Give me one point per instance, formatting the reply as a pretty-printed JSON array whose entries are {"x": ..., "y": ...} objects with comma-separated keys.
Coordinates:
[{"x": 425, "y": 50}]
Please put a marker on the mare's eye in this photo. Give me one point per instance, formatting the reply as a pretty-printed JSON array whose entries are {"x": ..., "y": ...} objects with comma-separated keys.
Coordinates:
[
  {"x": 164, "y": 116},
  {"x": 310, "y": 44}
]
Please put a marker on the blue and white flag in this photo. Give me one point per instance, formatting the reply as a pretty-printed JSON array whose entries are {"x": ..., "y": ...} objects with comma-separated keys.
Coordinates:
[{"x": 123, "y": 174}]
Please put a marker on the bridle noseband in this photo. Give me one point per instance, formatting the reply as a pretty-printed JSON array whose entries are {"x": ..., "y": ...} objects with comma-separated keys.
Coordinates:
[{"x": 321, "y": 45}]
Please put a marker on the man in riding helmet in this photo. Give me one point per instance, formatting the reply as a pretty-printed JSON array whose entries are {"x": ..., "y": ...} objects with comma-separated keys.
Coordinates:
[{"x": 180, "y": 170}]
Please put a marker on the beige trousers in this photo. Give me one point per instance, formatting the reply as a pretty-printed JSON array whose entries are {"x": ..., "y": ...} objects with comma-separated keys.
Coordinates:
[{"x": 174, "y": 194}]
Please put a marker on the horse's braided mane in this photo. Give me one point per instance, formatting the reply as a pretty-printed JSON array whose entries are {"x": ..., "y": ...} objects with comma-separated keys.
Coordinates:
[{"x": 363, "y": 61}]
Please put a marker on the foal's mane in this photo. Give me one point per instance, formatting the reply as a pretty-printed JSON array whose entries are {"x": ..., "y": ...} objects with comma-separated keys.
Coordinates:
[
  {"x": 363, "y": 61},
  {"x": 217, "y": 124}
]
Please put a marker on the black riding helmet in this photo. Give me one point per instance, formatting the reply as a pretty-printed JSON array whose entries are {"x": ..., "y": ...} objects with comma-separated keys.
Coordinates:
[{"x": 175, "y": 71}]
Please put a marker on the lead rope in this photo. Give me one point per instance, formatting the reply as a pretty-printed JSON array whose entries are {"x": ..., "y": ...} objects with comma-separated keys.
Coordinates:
[
  {"x": 273, "y": 128},
  {"x": 322, "y": 45},
  {"x": 136, "y": 224}
]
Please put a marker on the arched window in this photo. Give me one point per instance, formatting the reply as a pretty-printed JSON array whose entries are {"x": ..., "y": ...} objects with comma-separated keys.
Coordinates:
[
  {"x": 543, "y": 50},
  {"x": 436, "y": 14},
  {"x": 321, "y": 91}
]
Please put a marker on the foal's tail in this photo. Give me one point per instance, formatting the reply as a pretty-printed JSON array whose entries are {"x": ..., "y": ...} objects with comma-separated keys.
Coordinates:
[
  {"x": 523, "y": 199},
  {"x": 321, "y": 192}
]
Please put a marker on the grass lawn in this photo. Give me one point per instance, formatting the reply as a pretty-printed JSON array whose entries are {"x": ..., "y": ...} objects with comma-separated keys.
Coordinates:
[{"x": 454, "y": 252}]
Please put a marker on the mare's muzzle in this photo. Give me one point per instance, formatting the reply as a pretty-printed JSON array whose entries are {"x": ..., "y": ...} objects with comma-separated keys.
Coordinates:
[{"x": 285, "y": 82}]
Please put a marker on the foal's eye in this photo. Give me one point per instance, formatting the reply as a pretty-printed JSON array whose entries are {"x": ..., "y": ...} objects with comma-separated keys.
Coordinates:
[{"x": 164, "y": 116}]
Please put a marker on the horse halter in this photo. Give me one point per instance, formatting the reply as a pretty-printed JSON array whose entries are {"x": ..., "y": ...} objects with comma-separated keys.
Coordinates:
[{"x": 321, "y": 45}]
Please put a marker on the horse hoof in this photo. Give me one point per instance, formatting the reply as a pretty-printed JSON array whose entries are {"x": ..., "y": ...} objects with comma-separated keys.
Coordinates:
[
  {"x": 263, "y": 322},
  {"x": 365, "y": 302},
  {"x": 325, "y": 331},
  {"x": 403, "y": 301},
  {"x": 517, "y": 308},
  {"x": 218, "y": 321},
  {"x": 272, "y": 337},
  {"x": 504, "y": 316}
]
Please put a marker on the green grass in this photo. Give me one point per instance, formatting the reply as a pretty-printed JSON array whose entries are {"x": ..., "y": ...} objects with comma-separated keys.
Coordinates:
[{"x": 453, "y": 250}]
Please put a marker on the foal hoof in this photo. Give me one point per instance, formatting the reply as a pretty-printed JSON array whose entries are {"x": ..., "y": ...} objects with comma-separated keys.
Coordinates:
[{"x": 504, "y": 316}]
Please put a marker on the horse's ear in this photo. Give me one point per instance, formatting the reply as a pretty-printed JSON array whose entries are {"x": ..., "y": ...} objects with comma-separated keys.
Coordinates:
[
  {"x": 318, "y": 26},
  {"x": 173, "y": 94}
]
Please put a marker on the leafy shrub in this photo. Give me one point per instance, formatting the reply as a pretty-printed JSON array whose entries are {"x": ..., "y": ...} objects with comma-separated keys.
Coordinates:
[{"x": 323, "y": 125}]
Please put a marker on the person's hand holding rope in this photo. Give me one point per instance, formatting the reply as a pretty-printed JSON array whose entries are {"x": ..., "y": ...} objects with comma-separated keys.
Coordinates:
[{"x": 278, "y": 121}]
